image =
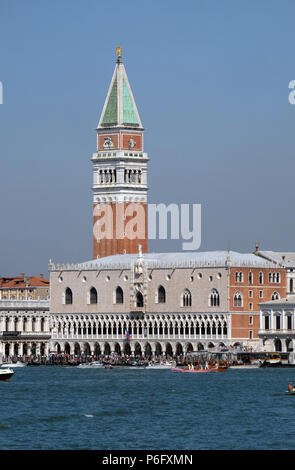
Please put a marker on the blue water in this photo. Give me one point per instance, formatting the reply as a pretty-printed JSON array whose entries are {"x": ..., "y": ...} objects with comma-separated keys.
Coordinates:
[{"x": 72, "y": 408}]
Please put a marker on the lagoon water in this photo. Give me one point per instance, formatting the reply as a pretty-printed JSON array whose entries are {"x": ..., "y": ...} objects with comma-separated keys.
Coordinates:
[{"x": 74, "y": 408}]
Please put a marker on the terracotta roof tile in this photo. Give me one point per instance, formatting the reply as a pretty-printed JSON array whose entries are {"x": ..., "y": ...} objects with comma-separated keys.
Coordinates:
[{"x": 22, "y": 282}]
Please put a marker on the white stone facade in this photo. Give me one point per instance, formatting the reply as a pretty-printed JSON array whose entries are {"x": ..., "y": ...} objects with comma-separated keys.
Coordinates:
[
  {"x": 24, "y": 328},
  {"x": 170, "y": 303},
  {"x": 277, "y": 325}
]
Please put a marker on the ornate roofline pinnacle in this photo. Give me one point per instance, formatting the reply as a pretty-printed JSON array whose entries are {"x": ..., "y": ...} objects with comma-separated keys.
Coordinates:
[{"x": 119, "y": 54}]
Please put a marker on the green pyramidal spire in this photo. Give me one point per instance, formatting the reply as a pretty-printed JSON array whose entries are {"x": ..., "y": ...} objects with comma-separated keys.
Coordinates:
[{"x": 120, "y": 109}]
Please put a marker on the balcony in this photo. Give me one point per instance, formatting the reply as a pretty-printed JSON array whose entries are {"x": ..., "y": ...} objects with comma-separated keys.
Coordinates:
[
  {"x": 281, "y": 332},
  {"x": 26, "y": 304},
  {"x": 21, "y": 335}
]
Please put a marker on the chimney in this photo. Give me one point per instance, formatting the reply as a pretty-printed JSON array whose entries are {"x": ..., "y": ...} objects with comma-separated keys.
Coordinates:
[
  {"x": 256, "y": 247},
  {"x": 42, "y": 275}
]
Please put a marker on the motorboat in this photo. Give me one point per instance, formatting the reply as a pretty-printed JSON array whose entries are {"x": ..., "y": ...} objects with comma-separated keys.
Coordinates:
[
  {"x": 159, "y": 365},
  {"x": 198, "y": 370},
  {"x": 290, "y": 392},
  {"x": 6, "y": 374},
  {"x": 13, "y": 364},
  {"x": 91, "y": 365},
  {"x": 245, "y": 366}
]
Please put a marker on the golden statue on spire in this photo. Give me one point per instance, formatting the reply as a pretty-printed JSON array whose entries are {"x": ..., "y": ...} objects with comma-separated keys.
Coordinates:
[{"x": 118, "y": 51}]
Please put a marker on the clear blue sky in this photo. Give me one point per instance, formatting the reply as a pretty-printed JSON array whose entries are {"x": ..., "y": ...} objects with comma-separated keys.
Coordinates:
[{"x": 210, "y": 79}]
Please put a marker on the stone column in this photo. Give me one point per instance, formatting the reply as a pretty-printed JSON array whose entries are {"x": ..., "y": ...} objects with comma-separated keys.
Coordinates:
[
  {"x": 29, "y": 346},
  {"x": 20, "y": 348},
  {"x": 46, "y": 349},
  {"x": 11, "y": 324},
  {"x": 29, "y": 324}
]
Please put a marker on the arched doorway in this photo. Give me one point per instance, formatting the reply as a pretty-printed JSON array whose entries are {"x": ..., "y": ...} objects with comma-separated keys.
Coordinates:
[
  {"x": 107, "y": 349},
  {"x": 179, "y": 349},
  {"x": 278, "y": 345},
  {"x": 97, "y": 350},
  {"x": 289, "y": 345},
  {"x": 158, "y": 350},
  {"x": 42, "y": 349},
  {"x": 137, "y": 349},
  {"x": 117, "y": 348},
  {"x": 87, "y": 349},
  {"x": 67, "y": 348},
  {"x": 200, "y": 347},
  {"x": 148, "y": 350},
  {"x": 169, "y": 350},
  {"x": 77, "y": 349},
  {"x": 7, "y": 349},
  {"x": 139, "y": 299},
  {"x": 127, "y": 349},
  {"x": 189, "y": 348}
]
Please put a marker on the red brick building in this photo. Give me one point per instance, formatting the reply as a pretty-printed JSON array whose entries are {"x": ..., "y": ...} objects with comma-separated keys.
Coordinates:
[{"x": 247, "y": 288}]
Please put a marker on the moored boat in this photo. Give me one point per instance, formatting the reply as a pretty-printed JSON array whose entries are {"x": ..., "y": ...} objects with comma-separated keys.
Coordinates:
[
  {"x": 196, "y": 370},
  {"x": 6, "y": 374},
  {"x": 159, "y": 365},
  {"x": 13, "y": 364},
  {"x": 244, "y": 366},
  {"x": 91, "y": 365}
]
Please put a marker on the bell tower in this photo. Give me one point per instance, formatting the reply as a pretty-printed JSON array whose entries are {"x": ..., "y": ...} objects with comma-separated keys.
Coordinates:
[{"x": 119, "y": 173}]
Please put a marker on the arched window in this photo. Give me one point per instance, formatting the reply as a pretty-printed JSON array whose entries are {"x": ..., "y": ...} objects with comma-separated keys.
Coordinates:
[
  {"x": 139, "y": 299},
  {"x": 161, "y": 295},
  {"x": 239, "y": 276},
  {"x": 250, "y": 277},
  {"x": 275, "y": 296},
  {"x": 186, "y": 300},
  {"x": 93, "y": 295},
  {"x": 68, "y": 296},
  {"x": 261, "y": 277},
  {"x": 214, "y": 298},
  {"x": 119, "y": 295},
  {"x": 267, "y": 322},
  {"x": 291, "y": 285},
  {"x": 238, "y": 299}
]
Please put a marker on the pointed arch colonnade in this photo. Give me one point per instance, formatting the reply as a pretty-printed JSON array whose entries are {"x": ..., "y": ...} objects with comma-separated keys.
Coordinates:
[{"x": 151, "y": 334}]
